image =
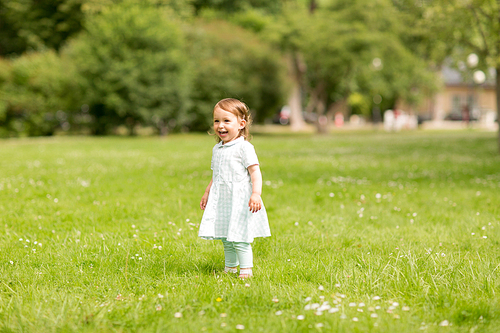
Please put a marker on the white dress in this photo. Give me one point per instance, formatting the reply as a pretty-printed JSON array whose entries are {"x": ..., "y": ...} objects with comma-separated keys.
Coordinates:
[{"x": 227, "y": 214}]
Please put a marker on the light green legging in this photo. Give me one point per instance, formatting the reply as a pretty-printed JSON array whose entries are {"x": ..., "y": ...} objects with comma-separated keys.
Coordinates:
[{"x": 238, "y": 253}]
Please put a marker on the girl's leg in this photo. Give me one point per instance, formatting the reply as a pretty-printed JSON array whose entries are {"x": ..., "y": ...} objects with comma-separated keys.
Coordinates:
[
  {"x": 245, "y": 257},
  {"x": 231, "y": 258}
]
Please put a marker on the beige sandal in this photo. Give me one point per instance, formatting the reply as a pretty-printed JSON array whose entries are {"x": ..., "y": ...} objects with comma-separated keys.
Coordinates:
[
  {"x": 245, "y": 273},
  {"x": 230, "y": 270}
]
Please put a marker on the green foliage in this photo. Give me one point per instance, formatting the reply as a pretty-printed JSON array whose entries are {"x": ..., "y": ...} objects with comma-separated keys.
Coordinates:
[
  {"x": 36, "y": 92},
  {"x": 38, "y": 24},
  {"x": 338, "y": 42},
  {"x": 231, "y": 6},
  {"x": 131, "y": 57},
  {"x": 359, "y": 104},
  {"x": 230, "y": 62}
]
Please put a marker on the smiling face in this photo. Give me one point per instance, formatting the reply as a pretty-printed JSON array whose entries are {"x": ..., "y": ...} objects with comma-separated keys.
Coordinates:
[{"x": 227, "y": 126}]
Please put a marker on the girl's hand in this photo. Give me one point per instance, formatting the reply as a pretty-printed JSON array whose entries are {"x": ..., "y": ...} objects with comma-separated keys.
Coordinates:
[
  {"x": 255, "y": 203},
  {"x": 203, "y": 202}
]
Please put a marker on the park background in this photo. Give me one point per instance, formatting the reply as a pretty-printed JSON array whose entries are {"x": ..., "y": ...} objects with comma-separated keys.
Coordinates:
[
  {"x": 104, "y": 107},
  {"x": 159, "y": 66}
]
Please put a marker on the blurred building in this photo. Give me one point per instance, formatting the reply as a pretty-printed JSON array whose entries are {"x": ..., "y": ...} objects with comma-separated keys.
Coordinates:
[{"x": 461, "y": 99}]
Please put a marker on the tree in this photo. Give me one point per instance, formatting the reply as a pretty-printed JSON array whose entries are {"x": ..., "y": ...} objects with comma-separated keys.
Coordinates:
[
  {"x": 227, "y": 61},
  {"x": 132, "y": 62},
  {"x": 336, "y": 46},
  {"x": 36, "y": 25}
]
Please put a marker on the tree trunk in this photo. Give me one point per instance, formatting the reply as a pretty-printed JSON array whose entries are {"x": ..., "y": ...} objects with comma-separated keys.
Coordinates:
[
  {"x": 297, "y": 122},
  {"x": 322, "y": 121}
]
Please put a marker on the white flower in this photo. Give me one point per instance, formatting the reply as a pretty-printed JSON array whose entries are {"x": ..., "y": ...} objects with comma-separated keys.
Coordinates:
[
  {"x": 444, "y": 323},
  {"x": 406, "y": 308},
  {"x": 361, "y": 304},
  {"x": 376, "y": 298},
  {"x": 325, "y": 306},
  {"x": 177, "y": 315},
  {"x": 374, "y": 315},
  {"x": 11, "y": 262},
  {"x": 308, "y": 299},
  {"x": 352, "y": 304},
  {"x": 337, "y": 285},
  {"x": 278, "y": 313},
  {"x": 321, "y": 288},
  {"x": 300, "y": 317},
  {"x": 333, "y": 310},
  {"x": 240, "y": 327},
  {"x": 319, "y": 325},
  {"x": 160, "y": 296},
  {"x": 355, "y": 319}
]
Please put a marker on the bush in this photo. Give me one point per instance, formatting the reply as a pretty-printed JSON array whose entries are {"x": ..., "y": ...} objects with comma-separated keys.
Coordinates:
[
  {"x": 131, "y": 60},
  {"x": 36, "y": 91}
]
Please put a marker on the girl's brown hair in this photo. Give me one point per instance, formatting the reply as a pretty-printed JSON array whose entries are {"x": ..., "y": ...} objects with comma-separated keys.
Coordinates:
[{"x": 240, "y": 110}]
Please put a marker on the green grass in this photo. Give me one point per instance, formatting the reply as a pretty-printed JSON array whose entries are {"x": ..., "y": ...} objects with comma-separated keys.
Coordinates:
[{"x": 399, "y": 216}]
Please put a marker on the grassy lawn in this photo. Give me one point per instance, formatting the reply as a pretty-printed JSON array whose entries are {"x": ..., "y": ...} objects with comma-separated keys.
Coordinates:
[{"x": 372, "y": 232}]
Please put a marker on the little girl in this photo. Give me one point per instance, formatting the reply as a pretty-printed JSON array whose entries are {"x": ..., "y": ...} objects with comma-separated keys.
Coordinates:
[{"x": 234, "y": 211}]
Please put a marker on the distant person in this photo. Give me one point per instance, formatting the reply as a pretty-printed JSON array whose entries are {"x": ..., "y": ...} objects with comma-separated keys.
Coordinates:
[
  {"x": 234, "y": 211},
  {"x": 466, "y": 115}
]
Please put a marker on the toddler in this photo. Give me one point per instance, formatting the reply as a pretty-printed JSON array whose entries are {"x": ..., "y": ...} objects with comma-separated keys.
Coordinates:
[{"x": 233, "y": 208}]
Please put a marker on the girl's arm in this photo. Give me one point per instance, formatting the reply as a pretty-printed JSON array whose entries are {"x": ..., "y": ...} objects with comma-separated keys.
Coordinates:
[
  {"x": 204, "y": 198},
  {"x": 255, "y": 203}
]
